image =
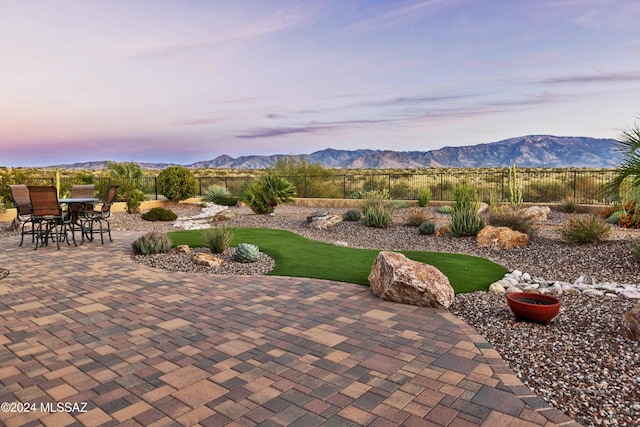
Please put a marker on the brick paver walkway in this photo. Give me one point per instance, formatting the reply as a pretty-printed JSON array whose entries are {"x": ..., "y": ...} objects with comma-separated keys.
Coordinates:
[{"x": 122, "y": 344}]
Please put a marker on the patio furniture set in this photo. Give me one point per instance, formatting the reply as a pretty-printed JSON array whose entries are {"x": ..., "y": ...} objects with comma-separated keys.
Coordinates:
[{"x": 46, "y": 218}]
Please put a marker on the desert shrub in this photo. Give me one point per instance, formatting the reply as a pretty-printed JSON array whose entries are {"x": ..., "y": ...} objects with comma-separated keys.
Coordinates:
[
  {"x": 568, "y": 205},
  {"x": 465, "y": 222},
  {"x": 416, "y": 216},
  {"x": 445, "y": 209},
  {"x": 427, "y": 228},
  {"x": 424, "y": 196},
  {"x": 400, "y": 190},
  {"x": 159, "y": 214},
  {"x": 377, "y": 209},
  {"x": 264, "y": 194},
  {"x": 515, "y": 219},
  {"x": 246, "y": 252},
  {"x": 220, "y": 196},
  {"x": 177, "y": 183},
  {"x": 352, "y": 215},
  {"x": 217, "y": 239},
  {"x": 134, "y": 199},
  {"x": 151, "y": 243},
  {"x": 579, "y": 231},
  {"x": 615, "y": 217}
]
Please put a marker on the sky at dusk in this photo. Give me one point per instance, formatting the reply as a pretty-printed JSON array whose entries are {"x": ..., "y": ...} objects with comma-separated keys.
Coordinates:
[{"x": 184, "y": 81}]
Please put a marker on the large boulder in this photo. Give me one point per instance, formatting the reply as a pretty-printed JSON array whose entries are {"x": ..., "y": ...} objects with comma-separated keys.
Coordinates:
[
  {"x": 631, "y": 328},
  {"x": 501, "y": 237},
  {"x": 538, "y": 213},
  {"x": 224, "y": 215},
  {"x": 396, "y": 278}
]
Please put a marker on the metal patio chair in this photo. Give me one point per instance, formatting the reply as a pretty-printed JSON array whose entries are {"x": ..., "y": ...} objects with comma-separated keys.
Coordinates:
[
  {"x": 52, "y": 222},
  {"x": 89, "y": 218},
  {"x": 22, "y": 203}
]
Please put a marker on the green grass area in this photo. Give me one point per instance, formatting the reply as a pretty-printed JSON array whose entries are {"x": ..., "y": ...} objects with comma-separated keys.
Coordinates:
[{"x": 299, "y": 257}]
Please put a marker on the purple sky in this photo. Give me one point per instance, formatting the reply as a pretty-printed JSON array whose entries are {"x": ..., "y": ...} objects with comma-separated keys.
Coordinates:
[{"x": 183, "y": 81}]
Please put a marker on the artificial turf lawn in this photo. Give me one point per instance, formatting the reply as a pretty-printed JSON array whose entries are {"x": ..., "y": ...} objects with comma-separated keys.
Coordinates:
[{"x": 297, "y": 256}]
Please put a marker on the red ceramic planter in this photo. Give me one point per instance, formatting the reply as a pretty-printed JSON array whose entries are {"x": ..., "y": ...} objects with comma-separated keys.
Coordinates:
[{"x": 534, "y": 307}]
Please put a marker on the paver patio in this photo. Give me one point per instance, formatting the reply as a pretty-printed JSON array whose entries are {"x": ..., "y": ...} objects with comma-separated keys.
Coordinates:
[{"x": 86, "y": 325}]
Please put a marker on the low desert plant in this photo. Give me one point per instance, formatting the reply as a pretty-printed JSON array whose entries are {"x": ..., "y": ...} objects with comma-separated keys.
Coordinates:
[
  {"x": 580, "y": 231},
  {"x": 217, "y": 239},
  {"x": 445, "y": 209},
  {"x": 352, "y": 215},
  {"x": 246, "y": 252},
  {"x": 466, "y": 222},
  {"x": 569, "y": 205},
  {"x": 424, "y": 196},
  {"x": 377, "y": 209},
  {"x": 159, "y": 214},
  {"x": 615, "y": 217},
  {"x": 427, "y": 228},
  {"x": 151, "y": 243},
  {"x": 220, "y": 196},
  {"x": 377, "y": 216},
  {"x": 515, "y": 219},
  {"x": 416, "y": 216}
]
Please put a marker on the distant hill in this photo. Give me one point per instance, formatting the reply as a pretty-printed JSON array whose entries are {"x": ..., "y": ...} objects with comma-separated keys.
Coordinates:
[{"x": 526, "y": 151}]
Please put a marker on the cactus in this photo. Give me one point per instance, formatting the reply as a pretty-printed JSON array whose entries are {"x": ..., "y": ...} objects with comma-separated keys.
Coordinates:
[
  {"x": 515, "y": 187},
  {"x": 246, "y": 252}
]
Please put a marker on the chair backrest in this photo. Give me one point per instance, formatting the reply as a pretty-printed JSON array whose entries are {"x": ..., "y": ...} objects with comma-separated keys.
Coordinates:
[
  {"x": 84, "y": 190},
  {"x": 44, "y": 200},
  {"x": 111, "y": 197},
  {"x": 21, "y": 200}
]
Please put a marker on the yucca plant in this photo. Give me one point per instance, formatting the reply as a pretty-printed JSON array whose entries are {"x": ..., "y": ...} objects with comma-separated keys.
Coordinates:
[
  {"x": 424, "y": 196},
  {"x": 377, "y": 209},
  {"x": 217, "y": 239}
]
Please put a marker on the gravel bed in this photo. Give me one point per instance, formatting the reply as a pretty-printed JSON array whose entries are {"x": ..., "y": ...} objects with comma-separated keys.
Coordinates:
[
  {"x": 178, "y": 261},
  {"x": 579, "y": 363}
]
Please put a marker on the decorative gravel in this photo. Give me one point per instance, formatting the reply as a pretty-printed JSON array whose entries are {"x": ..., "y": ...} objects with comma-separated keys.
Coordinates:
[{"x": 579, "y": 363}]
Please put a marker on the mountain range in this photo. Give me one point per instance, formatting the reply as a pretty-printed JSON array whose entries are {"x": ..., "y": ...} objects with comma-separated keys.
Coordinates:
[{"x": 526, "y": 151}]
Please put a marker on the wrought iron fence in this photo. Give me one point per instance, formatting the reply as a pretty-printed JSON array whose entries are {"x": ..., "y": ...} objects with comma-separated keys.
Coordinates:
[{"x": 538, "y": 185}]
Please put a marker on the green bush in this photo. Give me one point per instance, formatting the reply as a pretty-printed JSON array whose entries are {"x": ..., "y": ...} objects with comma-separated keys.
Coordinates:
[
  {"x": 134, "y": 199},
  {"x": 445, "y": 209},
  {"x": 614, "y": 218},
  {"x": 217, "y": 239},
  {"x": 177, "y": 183},
  {"x": 466, "y": 222},
  {"x": 159, "y": 214},
  {"x": 427, "y": 228},
  {"x": 424, "y": 196},
  {"x": 151, "y": 243},
  {"x": 352, "y": 215},
  {"x": 264, "y": 194},
  {"x": 515, "y": 219},
  {"x": 377, "y": 209},
  {"x": 580, "y": 231},
  {"x": 220, "y": 196}
]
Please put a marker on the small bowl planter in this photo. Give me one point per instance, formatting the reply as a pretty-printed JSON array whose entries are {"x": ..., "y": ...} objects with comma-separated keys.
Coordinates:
[{"x": 534, "y": 307}]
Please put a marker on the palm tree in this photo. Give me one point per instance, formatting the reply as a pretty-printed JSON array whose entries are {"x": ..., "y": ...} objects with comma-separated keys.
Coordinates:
[
  {"x": 128, "y": 171},
  {"x": 629, "y": 167}
]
